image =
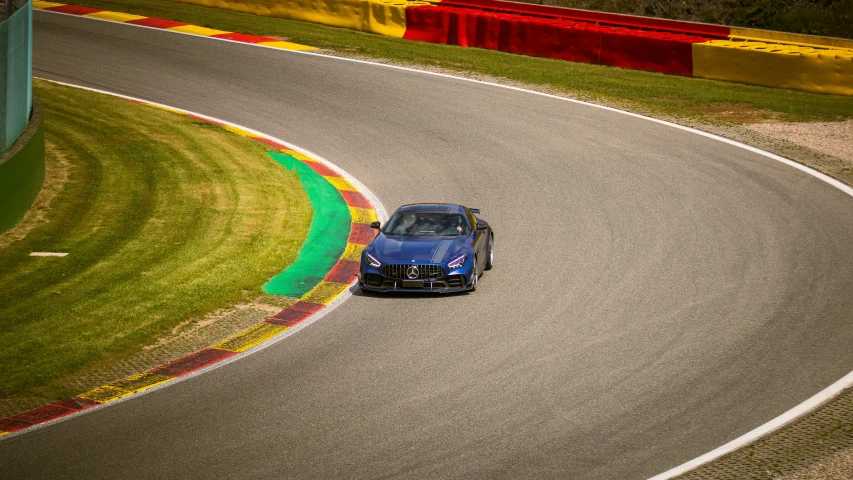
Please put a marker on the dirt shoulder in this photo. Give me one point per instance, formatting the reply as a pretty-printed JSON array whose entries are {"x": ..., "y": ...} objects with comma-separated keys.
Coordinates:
[{"x": 832, "y": 138}]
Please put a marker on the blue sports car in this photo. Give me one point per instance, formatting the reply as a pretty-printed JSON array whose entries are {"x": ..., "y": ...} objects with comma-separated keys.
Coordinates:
[{"x": 428, "y": 247}]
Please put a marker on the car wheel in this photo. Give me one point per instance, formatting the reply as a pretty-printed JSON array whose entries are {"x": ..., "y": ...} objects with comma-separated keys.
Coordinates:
[
  {"x": 474, "y": 277},
  {"x": 490, "y": 262}
]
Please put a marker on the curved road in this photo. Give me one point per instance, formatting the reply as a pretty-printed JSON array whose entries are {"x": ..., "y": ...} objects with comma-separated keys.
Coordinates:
[{"x": 656, "y": 293}]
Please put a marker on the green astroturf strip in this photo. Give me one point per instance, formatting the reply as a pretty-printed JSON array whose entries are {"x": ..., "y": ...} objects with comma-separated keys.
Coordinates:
[{"x": 327, "y": 237}]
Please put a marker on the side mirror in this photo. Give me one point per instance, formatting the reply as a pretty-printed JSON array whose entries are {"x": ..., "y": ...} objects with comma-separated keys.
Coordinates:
[
  {"x": 374, "y": 225},
  {"x": 481, "y": 225}
]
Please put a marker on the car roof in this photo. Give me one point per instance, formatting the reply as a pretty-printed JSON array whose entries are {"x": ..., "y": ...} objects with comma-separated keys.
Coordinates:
[{"x": 433, "y": 208}]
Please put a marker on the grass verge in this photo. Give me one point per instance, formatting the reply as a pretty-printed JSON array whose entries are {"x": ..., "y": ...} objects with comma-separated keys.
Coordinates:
[
  {"x": 164, "y": 219},
  {"x": 651, "y": 93}
]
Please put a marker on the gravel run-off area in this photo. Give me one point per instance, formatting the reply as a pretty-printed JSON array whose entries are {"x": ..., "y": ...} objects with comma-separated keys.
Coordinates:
[{"x": 834, "y": 138}]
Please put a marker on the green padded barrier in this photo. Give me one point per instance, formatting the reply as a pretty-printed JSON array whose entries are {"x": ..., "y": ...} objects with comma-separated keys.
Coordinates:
[{"x": 22, "y": 172}]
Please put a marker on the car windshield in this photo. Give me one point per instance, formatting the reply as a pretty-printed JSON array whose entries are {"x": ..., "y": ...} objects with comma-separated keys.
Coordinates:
[{"x": 426, "y": 224}]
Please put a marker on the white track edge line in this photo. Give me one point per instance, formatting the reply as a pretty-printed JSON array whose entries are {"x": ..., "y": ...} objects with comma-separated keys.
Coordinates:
[
  {"x": 749, "y": 437},
  {"x": 786, "y": 418},
  {"x": 377, "y": 206}
]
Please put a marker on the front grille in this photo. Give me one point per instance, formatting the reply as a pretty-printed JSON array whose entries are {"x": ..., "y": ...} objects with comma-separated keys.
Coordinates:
[{"x": 424, "y": 271}]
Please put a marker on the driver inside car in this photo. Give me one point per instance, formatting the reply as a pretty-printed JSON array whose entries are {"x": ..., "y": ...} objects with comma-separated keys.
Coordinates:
[{"x": 406, "y": 225}]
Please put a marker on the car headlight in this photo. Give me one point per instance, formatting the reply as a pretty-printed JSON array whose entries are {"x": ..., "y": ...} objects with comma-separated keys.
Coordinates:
[
  {"x": 372, "y": 261},
  {"x": 457, "y": 262}
]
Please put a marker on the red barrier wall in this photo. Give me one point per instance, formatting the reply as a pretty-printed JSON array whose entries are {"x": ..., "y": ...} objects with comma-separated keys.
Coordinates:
[{"x": 561, "y": 38}]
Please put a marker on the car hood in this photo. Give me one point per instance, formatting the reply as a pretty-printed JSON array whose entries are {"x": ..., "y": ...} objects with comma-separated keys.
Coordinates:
[{"x": 402, "y": 249}]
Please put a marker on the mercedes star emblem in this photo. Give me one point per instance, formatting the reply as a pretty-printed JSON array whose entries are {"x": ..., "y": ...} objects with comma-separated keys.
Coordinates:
[{"x": 412, "y": 272}]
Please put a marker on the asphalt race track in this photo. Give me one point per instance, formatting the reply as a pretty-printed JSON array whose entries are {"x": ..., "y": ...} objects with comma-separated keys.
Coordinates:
[{"x": 656, "y": 293}]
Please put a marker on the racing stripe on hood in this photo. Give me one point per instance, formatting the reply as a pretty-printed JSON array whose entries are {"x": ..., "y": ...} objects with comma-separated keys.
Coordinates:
[{"x": 441, "y": 251}]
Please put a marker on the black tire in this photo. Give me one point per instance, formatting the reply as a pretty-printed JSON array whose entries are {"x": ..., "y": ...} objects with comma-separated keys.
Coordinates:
[{"x": 490, "y": 258}]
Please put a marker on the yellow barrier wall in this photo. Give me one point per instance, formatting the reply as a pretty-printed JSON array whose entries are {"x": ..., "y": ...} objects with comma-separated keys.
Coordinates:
[
  {"x": 773, "y": 36},
  {"x": 752, "y": 61},
  {"x": 385, "y": 17}
]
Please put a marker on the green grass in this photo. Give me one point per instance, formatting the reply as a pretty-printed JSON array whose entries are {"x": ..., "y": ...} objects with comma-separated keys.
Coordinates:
[
  {"x": 164, "y": 219},
  {"x": 647, "y": 92}
]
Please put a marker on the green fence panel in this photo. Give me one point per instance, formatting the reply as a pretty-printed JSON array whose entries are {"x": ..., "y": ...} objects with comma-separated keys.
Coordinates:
[{"x": 16, "y": 86}]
